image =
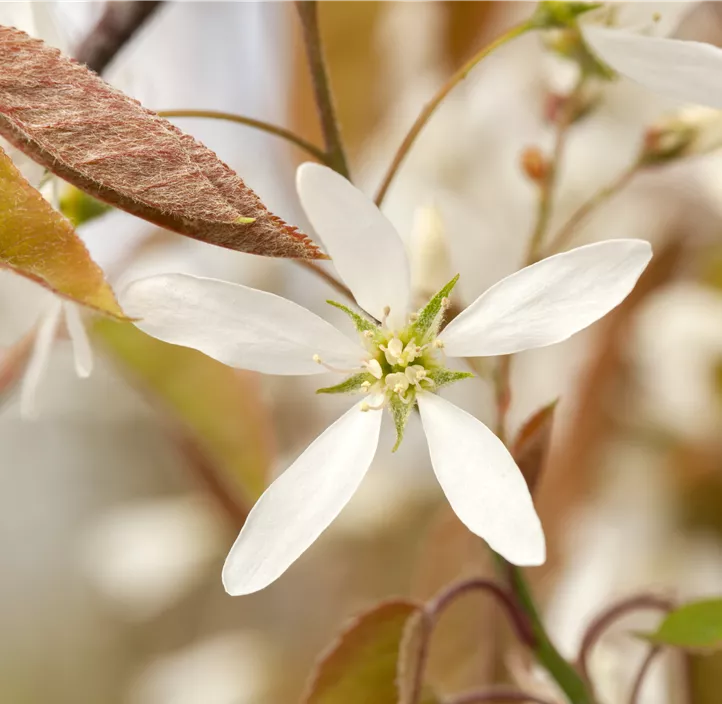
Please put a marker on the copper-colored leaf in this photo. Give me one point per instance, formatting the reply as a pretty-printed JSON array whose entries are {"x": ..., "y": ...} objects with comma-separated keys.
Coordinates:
[
  {"x": 68, "y": 119},
  {"x": 219, "y": 408},
  {"x": 39, "y": 243},
  {"x": 531, "y": 445},
  {"x": 360, "y": 667}
]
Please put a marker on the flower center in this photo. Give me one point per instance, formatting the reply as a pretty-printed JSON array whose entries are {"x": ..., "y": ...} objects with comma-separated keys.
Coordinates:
[{"x": 399, "y": 363}]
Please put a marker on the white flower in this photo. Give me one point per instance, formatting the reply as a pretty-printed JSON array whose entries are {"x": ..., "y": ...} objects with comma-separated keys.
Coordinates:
[
  {"x": 48, "y": 324},
  {"x": 396, "y": 364},
  {"x": 39, "y": 20},
  {"x": 683, "y": 70}
]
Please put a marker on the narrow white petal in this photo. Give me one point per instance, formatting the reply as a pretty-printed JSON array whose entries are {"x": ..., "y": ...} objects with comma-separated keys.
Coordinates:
[
  {"x": 302, "y": 502},
  {"x": 82, "y": 351},
  {"x": 549, "y": 301},
  {"x": 364, "y": 246},
  {"x": 482, "y": 482},
  {"x": 678, "y": 69},
  {"x": 651, "y": 17},
  {"x": 39, "y": 358},
  {"x": 237, "y": 325}
]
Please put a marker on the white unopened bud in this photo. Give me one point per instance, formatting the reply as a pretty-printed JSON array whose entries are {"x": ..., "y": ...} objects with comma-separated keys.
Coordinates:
[{"x": 430, "y": 260}]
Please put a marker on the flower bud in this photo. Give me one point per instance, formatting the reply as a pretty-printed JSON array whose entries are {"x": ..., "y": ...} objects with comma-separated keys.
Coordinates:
[
  {"x": 534, "y": 164},
  {"x": 690, "y": 131},
  {"x": 430, "y": 260}
]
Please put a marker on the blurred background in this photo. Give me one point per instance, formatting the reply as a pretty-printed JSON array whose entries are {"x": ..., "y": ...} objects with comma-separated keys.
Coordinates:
[{"x": 113, "y": 525}]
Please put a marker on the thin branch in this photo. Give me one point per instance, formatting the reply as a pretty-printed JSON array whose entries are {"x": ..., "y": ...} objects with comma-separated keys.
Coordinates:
[
  {"x": 335, "y": 154},
  {"x": 642, "y": 674},
  {"x": 326, "y": 276},
  {"x": 498, "y": 694},
  {"x": 502, "y": 595},
  {"x": 119, "y": 22},
  {"x": 281, "y": 132},
  {"x": 606, "y": 618},
  {"x": 547, "y": 187},
  {"x": 433, "y": 104},
  {"x": 567, "y": 231},
  {"x": 434, "y": 609}
]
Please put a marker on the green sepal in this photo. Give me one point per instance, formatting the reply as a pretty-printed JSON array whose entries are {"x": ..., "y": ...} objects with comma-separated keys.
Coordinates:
[
  {"x": 444, "y": 377},
  {"x": 551, "y": 14},
  {"x": 400, "y": 412},
  {"x": 362, "y": 324},
  {"x": 429, "y": 319},
  {"x": 348, "y": 386}
]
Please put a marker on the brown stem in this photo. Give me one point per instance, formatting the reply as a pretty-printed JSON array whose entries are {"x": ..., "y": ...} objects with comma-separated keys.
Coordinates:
[
  {"x": 567, "y": 231},
  {"x": 335, "y": 154},
  {"x": 606, "y": 618},
  {"x": 642, "y": 674},
  {"x": 498, "y": 694},
  {"x": 328, "y": 278},
  {"x": 547, "y": 187},
  {"x": 502, "y": 393},
  {"x": 119, "y": 22},
  {"x": 433, "y": 104},
  {"x": 436, "y": 607},
  {"x": 281, "y": 132}
]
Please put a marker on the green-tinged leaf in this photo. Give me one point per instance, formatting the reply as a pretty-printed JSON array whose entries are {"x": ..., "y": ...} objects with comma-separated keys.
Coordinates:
[
  {"x": 532, "y": 442},
  {"x": 353, "y": 383},
  {"x": 430, "y": 316},
  {"x": 360, "y": 667},
  {"x": 79, "y": 207},
  {"x": 444, "y": 377},
  {"x": 695, "y": 626},
  {"x": 401, "y": 412},
  {"x": 37, "y": 242},
  {"x": 362, "y": 324},
  {"x": 92, "y": 135},
  {"x": 221, "y": 407}
]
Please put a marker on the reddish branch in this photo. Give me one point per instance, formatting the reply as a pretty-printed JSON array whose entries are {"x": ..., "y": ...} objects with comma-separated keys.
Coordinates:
[{"x": 119, "y": 23}]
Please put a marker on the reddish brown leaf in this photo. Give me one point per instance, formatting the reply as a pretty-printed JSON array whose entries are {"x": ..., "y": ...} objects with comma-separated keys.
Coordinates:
[
  {"x": 531, "y": 445},
  {"x": 68, "y": 119},
  {"x": 361, "y": 666}
]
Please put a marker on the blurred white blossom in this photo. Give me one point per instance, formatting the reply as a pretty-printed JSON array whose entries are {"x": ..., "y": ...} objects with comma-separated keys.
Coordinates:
[
  {"x": 147, "y": 555},
  {"x": 233, "y": 668}
]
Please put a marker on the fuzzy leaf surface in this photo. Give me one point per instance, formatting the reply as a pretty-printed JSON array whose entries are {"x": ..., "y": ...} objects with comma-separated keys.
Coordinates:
[
  {"x": 37, "y": 242},
  {"x": 361, "y": 666},
  {"x": 70, "y": 121}
]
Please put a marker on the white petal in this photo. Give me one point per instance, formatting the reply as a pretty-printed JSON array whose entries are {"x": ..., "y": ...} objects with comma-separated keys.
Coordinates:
[
  {"x": 82, "y": 351},
  {"x": 678, "y": 69},
  {"x": 237, "y": 325},
  {"x": 482, "y": 482},
  {"x": 302, "y": 502},
  {"x": 39, "y": 358},
  {"x": 549, "y": 301},
  {"x": 364, "y": 246},
  {"x": 651, "y": 17}
]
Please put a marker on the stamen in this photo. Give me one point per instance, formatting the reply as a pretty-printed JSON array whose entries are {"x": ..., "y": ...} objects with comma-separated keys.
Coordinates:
[
  {"x": 318, "y": 360},
  {"x": 365, "y": 407},
  {"x": 374, "y": 368},
  {"x": 386, "y": 314}
]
